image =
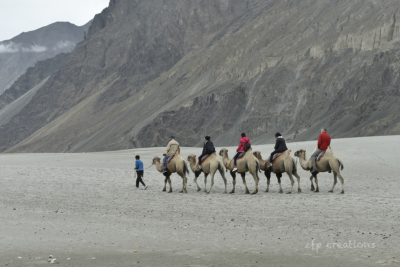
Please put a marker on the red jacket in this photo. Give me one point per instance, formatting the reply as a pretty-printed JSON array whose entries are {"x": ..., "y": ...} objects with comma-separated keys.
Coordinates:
[
  {"x": 324, "y": 140},
  {"x": 243, "y": 141}
]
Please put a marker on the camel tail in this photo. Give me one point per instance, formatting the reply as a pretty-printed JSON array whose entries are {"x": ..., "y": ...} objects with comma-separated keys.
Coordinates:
[
  {"x": 257, "y": 166},
  {"x": 295, "y": 166},
  {"x": 341, "y": 165},
  {"x": 185, "y": 168},
  {"x": 221, "y": 167}
]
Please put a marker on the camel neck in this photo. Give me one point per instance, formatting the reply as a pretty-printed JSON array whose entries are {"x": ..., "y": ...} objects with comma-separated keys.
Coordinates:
[
  {"x": 194, "y": 165},
  {"x": 159, "y": 166},
  {"x": 303, "y": 162}
]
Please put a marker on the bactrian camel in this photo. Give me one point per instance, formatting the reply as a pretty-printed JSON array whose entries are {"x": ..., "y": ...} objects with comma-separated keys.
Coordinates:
[
  {"x": 329, "y": 162},
  {"x": 209, "y": 166},
  {"x": 176, "y": 165},
  {"x": 248, "y": 163},
  {"x": 284, "y": 163}
]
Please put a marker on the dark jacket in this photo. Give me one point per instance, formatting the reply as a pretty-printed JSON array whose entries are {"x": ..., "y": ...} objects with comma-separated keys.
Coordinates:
[
  {"x": 280, "y": 145},
  {"x": 208, "y": 148}
]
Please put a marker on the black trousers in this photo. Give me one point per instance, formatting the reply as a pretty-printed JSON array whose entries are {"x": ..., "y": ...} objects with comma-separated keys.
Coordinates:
[
  {"x": 275, "y": 152},
  {"x": 139, "y": 178},
  {"x": 202, "y": 155}
]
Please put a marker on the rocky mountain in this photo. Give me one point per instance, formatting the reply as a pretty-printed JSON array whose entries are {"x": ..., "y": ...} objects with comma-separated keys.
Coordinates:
[
  {"x": 24, "y": 50},
  {"x": 153, "y": 68}
]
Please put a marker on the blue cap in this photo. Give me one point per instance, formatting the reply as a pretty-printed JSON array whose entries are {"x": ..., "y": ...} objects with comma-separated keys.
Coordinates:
[{"x": 172, "y": 136}]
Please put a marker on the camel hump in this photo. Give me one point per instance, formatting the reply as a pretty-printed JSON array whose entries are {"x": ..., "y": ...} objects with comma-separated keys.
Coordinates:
[
  {"x": 249, "y": 153},
  {"x": 329, "y": 151}
]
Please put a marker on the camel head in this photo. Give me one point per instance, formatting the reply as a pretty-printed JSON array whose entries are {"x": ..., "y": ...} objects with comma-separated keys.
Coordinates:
[
  {"x": 156, "y": 160},
  {"x": 300, "y": 153},
  {"x": 223, "y": 152},
  {"x": 192, "y": 158},
  {"x": 257, "y": 154}
]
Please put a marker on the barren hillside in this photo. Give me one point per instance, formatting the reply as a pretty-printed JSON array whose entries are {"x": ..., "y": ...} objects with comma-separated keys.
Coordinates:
[{"x": 153, "y": 68}]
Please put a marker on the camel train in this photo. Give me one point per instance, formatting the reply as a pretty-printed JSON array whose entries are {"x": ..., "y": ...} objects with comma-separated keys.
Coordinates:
[{"x": 280, "y": 161}]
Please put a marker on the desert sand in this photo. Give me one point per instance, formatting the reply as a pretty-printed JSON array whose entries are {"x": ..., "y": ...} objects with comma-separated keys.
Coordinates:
[{"x": 85, "y": 211}]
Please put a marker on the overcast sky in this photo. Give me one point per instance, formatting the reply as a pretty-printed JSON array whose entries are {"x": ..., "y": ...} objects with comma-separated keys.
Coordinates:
[{"x": 18, "y": 16}]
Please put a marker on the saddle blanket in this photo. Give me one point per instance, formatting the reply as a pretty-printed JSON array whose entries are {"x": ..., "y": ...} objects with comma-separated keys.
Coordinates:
[
  {"x": 276, "y": 156},
  {"x": 241, "y": 155},
  {"x": 170, "y": 158},
  {"x": 321, "y": 155},
  {"x": 204, "y": 158}
]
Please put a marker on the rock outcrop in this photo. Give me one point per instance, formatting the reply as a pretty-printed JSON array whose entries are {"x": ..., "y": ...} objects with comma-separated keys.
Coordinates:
[{"x": 149, "y": 69}]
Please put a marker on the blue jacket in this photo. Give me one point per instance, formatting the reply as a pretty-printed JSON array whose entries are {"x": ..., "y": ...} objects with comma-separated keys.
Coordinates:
[{"x": 139, "y": 165}]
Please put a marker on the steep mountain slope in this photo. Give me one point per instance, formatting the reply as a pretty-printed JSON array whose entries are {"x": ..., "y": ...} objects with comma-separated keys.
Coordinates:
[
  {"x": 24, "y": 50},
  {"x": 153, "y": 68},
  {"x": 32, "y": 77}
]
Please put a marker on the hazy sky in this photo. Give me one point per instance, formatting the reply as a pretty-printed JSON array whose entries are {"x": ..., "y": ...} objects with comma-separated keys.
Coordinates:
[{"x": 18, "y": 16}]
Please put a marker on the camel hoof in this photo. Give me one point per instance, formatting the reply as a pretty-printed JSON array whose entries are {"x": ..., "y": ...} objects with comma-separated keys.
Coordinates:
[
  {"x": 181, "y": 191},
  {"x": 266, "y": 191},
  {"x": 208, "y": 192},
  {"x": 164, "y": 190},
  {"x": 312, "y": 189},
  {"x": 198, "y": 189},
  {"x": 170, "y": 192},
  {"x": 330, "y": 191},
  {"x": 342, "y": 192},
  {"x": 299, "y": 190},
  {"x": 316, "y": 191},
  {"x": 288, "y": 193},
  {"x": 248, "y": 193},
  {"x": 281, "y": 192},
  {"x": 225, "y": 192},
  {"x": 254, "y": 193}
]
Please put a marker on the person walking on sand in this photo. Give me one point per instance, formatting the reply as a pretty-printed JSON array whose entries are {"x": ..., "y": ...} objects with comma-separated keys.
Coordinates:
[
  {"x": 324, "y": 141},
  {"x": 242, "y": 143},
  {"x": 172, "y": 148},
  {"x": 139, "y": 172}
]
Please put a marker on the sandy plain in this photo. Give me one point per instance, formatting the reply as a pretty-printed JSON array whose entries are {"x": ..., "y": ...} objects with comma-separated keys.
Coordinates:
[{"x": 85, "y": 211}]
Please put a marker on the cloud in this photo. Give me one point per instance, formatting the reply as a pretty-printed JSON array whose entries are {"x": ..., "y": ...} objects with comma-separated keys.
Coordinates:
[
  {"x": 34, "y": 49},
  {"x": 64, "y": 44},
  {"x": 14, "y": 48},
  {"x": 8, "y": 48}
]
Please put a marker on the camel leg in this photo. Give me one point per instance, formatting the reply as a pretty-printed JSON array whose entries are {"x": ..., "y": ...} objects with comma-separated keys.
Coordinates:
[
  {"x": 212, "y": 182},
  {"x": 342, "y": 181},
  {"x": 316, "y": 183},
  {"x": 195, "y": 180},
  {"x": 221, "y": 171},
  {"x": 268, "y": 175},
  {"x": 256, "y": 179},
  {"x": 298, "y": 181},
  {"x": 233, "y": 182},
  {"x": 312, "y": 184},
  {"x": 205, "y": 182},
  {"x": 334, "y": 181},
  {"x": 244, "y": 182},
  {"x": 165, "y": 184},
  {"x": 170, "y": 184},
  {"x": 279, "y": 176},
  {"x": 291, "y": 182},
  {"x": 183, "y": 182},
  {"x": 185, "y": 179}
]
